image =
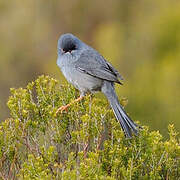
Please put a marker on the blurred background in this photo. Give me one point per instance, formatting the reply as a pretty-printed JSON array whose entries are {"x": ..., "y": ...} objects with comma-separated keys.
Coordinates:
[{"x": 140, "y": 38}]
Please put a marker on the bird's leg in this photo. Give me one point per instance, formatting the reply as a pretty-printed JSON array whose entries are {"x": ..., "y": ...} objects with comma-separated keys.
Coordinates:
[{"x": 62, "y": 108}]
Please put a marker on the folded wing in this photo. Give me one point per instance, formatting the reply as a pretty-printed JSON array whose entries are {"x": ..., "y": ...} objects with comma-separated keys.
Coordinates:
[{"x": 92, "y": 63}]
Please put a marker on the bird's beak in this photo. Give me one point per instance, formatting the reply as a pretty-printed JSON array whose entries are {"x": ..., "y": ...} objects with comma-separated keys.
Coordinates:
[{"x": 62, "y": 51}]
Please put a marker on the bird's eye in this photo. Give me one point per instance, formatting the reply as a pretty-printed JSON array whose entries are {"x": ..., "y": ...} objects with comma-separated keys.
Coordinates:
[{"x": 69, "y": 47}]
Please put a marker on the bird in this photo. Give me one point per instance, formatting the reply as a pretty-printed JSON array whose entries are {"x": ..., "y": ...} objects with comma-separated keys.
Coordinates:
[{"x": 88, "y": 71}]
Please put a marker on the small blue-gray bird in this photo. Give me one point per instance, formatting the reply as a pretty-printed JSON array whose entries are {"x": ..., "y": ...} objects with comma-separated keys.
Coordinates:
[{"x": 88, "y": 71}]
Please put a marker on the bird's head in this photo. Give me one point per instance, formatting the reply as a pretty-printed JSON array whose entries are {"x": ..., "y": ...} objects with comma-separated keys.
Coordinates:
[{"x": 68, "y": 43}]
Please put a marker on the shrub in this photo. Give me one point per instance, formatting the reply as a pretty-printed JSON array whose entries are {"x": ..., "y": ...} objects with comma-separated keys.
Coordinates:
[{"x": 86, "y": 142}]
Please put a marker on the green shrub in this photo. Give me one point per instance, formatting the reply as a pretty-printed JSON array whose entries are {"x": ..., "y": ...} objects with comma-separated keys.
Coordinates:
[{"x": 86, "y": 142}]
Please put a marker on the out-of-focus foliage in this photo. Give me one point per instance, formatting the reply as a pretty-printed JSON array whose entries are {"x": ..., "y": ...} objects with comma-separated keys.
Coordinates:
[
  {"x": 140, "y": 38},
  {"x": 84, "y": 143}
]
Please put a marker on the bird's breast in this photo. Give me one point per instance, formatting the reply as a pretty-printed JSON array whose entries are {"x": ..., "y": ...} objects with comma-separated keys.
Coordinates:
[{"x": 81, "y": 81}]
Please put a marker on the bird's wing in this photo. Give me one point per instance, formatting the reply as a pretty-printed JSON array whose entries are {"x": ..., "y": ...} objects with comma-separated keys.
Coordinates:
[
  {"x": 90, "y": 62},
  {"x": 115, "y": 71}
]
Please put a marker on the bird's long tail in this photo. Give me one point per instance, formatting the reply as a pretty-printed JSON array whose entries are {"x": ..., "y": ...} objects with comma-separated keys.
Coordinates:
[{"x": 125, "y": 121}]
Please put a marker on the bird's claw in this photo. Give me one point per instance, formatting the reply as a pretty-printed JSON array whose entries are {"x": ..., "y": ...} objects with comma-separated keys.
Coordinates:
[
  {"x": 62, "y": 108},
  {"x": 65, "y": 108}
]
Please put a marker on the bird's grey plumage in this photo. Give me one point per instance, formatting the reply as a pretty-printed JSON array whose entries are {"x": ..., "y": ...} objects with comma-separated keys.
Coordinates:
[
  {"x": 88, "y": 71},
  {"x": 97, "y": 69}
]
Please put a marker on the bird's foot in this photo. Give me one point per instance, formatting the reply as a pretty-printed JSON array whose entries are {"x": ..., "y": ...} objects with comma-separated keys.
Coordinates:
[{"x": 63, "y": 108}]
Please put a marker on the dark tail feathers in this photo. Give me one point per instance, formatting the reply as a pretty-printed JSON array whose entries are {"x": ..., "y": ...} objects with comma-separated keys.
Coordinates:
[
  {"x": 125, "y": 121},
  {"x": 127, "y": 124}
]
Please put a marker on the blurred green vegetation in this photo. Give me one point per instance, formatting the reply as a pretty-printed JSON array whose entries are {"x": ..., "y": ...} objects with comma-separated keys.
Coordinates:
[
  {"x": 86, "y": 142},
  {"x": 140, "y": 38}
]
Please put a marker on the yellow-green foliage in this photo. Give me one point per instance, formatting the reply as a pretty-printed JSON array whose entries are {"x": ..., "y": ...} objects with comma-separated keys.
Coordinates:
[{"x": 84, "y": 143}]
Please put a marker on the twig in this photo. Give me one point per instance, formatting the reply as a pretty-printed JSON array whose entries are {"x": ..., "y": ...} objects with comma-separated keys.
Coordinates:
[
  {"x": 1, "y": 175},
  {"x": 12, "y": 164}
]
